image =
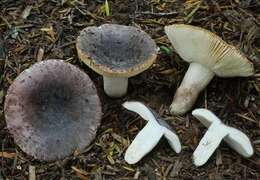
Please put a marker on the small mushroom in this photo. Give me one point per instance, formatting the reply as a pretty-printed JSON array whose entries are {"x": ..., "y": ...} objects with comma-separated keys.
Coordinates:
[
  {"x": 208, "y": 55},
  {"x": 52, "y": 109},
  {"x": 150, "y": 135},
  {"x": 116, "y": 52},
  {"x": 213, "y": 137}
]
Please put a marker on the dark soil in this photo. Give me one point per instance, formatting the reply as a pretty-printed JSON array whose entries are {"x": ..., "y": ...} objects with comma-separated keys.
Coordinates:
[{"x": 49, "y": 30}]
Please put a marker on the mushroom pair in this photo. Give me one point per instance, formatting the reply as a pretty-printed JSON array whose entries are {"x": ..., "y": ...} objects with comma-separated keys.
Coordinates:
[
  {"x": 208, "y": 56},
  {"x": 150, "y": 135},
  {"x": 118, "y": 52},
  {"x": 53, "y": 109}
]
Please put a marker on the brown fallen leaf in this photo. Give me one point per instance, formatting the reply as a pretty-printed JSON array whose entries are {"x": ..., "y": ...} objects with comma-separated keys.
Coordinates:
[
  {"x": 7, "y": 155},
  {"x": 50, "y": 32},
  {"x": 81, "y": 176},
  {"x": 167, "y": 71},
  {"x": 80, "y": 173}
]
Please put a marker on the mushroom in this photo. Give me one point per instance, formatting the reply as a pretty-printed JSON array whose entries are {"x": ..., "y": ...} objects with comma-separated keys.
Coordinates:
[
  {"x": 116, "y": 52},
  {"x": 52, "y": 109},
  {"x": 213, "y": 137},
  {"x": 150, "y": 135},
  {"x": 208, "y": 55}
]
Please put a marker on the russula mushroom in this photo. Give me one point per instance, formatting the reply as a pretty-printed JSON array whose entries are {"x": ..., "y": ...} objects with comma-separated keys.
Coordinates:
[
  {"x": 214, "y": 135},
  {"x": 116, "y": 52},
  {"x": 150, "y": 135},
  {"x": 208, "y": 55},
  {"x": 52, "y": 109}
]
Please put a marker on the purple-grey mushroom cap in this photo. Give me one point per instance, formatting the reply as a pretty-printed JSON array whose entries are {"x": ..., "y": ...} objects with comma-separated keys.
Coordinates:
[
  {"x": 52, "y": 109},
  {"x": 116, "y": 50}
]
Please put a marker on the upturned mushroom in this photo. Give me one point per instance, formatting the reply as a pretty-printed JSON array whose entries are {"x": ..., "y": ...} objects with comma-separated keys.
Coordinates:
[
  {"x": 52, "y": 109},
  {"x": 150, "y": 135},
  {"x": 116, "y": 52},
  {"x": 217, "y": 131},
  {"x": 208, "y": 56}
]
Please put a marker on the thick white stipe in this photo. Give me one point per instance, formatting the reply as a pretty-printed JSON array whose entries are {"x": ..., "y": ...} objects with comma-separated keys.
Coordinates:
[
  {"x": 208, "y": 144},
  {"x": 143, "y": 143},
  {"x": 115, "y": 86}
]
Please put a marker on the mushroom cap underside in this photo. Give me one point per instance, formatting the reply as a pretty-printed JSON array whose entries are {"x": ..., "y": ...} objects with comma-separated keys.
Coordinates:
[
  {"x": 198, "y": 45},
  {"x": 116, "y": 50},
  {"x": 52, "y": 109}
]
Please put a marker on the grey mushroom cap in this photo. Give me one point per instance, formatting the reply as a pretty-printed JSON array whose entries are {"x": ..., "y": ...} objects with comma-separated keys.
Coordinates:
[
  {"x": 116, "y": 50},
  {"x": 52, "y": 109}
]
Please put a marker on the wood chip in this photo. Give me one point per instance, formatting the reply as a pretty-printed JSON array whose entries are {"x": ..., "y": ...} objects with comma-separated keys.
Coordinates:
[
  {"x": 218, "y": 158},
  {"x": 128, "y": 168},
  {"x": 136, "y": 176},
  {"x": 32, "y": 175},
  {"x": 50, "y": 32},
  {"x": 1, "y": 96},
  {"x": 40, "y": 54},
  {"x": 167, "y": 71},
  {"x": 7, "y": 155},
  {"x": 176, "y": 168},
  {"x": 26, "y": 12},
  {"x": 80, "y": 173}
]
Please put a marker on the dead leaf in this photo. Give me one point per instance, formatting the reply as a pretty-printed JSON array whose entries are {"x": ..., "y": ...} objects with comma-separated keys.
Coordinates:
[
  {"x": 7, "y": 155},
  {"x": 80, "y": 173},
  {"x": 50, "y": 32}
]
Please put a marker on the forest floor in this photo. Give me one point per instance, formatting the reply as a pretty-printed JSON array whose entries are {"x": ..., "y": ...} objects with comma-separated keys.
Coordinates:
[{"x": 34, "y": 31}]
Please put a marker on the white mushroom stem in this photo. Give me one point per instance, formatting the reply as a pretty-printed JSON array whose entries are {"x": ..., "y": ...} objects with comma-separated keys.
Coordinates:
[
  {"x": 150, "y": 135},
  {"x": 218, "y": 131},
  {"x": 209, "y": 144},
  {"x": 143, "y": 143},
  {"x": 195, "y": 80},
  {"x": 115, "y": 86}
]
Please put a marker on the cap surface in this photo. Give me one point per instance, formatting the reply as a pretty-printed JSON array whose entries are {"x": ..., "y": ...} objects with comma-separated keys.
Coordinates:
[
  {"x": 116, "y": 50},
  {"x": 52, "y": 109},
  {"x": 198, "y": 45}
]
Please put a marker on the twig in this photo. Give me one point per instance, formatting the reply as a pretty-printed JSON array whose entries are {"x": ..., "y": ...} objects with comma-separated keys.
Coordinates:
[
  {"x": 189, "y": 17},
  {"x": 67, "y": 44},
  {"x": 2, "y": 160},
  {"x": 6, "y": 22},
  {"x": 245, "y": 117},
  {"x": 14, "y": 163},
  {"x": 158, "y": 14},
  {"x": 206, "y": 99},
  {"x": 256, "y": 75},
  {"x": 40, "y": 54}
]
